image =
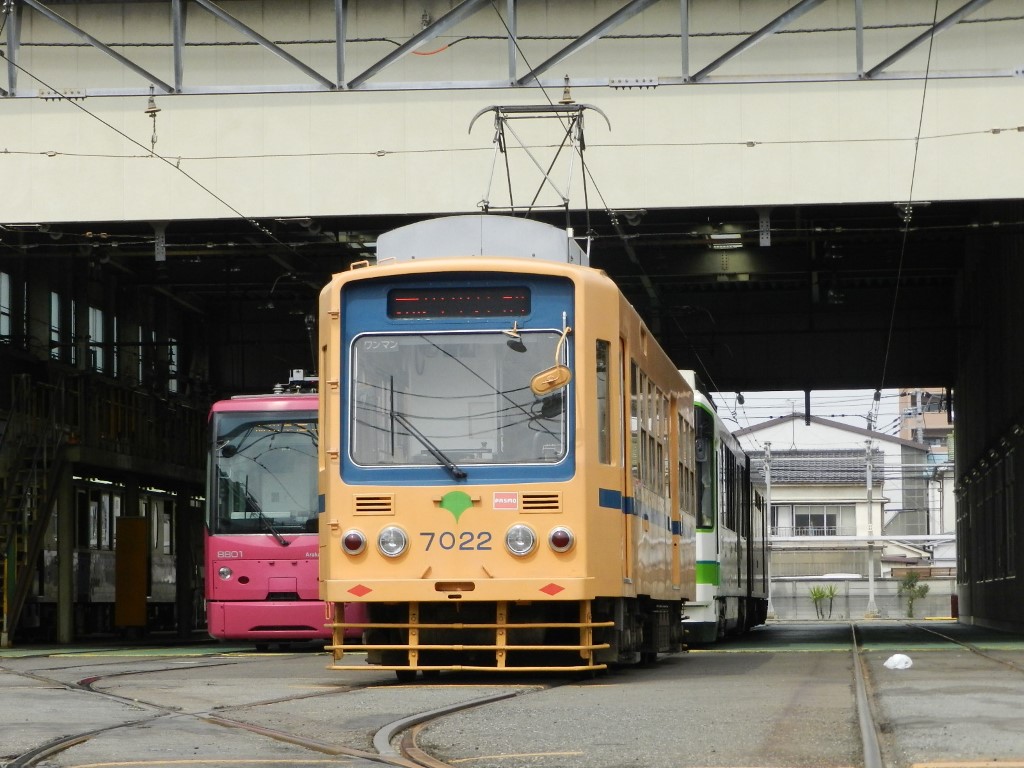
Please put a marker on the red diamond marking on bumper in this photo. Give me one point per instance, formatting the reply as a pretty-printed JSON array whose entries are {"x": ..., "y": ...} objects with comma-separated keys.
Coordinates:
[
  {"x": 359, "y": 590},
  {"x": 552, "y": 589}
]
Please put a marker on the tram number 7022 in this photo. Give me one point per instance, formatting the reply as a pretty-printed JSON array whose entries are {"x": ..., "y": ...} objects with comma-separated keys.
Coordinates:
[{"x": 463, "y": 540}]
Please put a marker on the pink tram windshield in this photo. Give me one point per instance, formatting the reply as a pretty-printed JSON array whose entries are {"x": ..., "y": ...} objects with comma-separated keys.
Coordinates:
[{"x": 262, "y": 546}]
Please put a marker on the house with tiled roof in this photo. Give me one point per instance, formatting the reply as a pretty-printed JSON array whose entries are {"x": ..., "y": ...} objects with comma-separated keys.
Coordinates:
[{"x": 846, "y": 501}]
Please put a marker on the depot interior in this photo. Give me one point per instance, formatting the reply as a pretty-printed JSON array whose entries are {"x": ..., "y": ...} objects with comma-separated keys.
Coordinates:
[{"x": 116, "y": 338}]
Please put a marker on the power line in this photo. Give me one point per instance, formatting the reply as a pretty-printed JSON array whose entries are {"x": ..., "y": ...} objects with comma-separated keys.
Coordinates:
[
  {"x": 908, "y": 209},
  {"x": 150, "y": 152}
]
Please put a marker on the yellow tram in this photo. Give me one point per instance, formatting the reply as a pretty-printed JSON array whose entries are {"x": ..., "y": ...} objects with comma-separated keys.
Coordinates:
[{"x": 506, "y": 465}]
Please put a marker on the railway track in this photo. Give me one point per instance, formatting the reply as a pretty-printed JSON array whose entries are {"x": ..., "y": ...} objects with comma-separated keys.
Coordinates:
[
  {"x": 781, "y": 697},
  {"x": 388, "y": 749},
  {"x": 876, "y": 726}
]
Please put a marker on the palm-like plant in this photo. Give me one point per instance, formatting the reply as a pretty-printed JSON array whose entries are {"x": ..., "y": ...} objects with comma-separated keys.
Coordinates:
[
  {"x": 819, "y": 595},
  {"x": 912, "y": 590}
]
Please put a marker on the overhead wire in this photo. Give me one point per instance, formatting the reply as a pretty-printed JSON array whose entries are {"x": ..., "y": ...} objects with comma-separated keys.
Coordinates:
[
  {"x": 843, "y": 406},
  {"x": 908, "y": 210},
  {"x": 808, "y": 30},
  {"x": 149, "y": 151},
  {"x": 645, "y": 278},
  {"x": 565, "y": 127},
  {"x": 603, "y": 145},
  {"x": 587, "y": 174}
]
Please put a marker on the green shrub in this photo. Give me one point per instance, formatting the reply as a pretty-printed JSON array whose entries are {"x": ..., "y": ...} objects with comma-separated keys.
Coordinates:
[
  {"x": 819, "y": 595},
  {"x": 912, "y": 590}
]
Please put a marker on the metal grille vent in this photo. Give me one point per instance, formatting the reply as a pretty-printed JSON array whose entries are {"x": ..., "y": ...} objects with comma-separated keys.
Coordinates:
[
  {"x": 375, "y": 505},
  {"x": 542, "y": 502}
]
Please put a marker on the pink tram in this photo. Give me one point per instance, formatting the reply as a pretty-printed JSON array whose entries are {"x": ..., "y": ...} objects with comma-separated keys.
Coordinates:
[{"x": 261, "y": 542}]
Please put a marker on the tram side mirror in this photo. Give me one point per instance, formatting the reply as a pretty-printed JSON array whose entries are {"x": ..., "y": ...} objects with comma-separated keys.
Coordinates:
[
  {"x": 515, "y": 341},
  {"x": 228, "y": 451},
  {"x": 550, "y": 379},
  {"x": 555, "y": 377}
]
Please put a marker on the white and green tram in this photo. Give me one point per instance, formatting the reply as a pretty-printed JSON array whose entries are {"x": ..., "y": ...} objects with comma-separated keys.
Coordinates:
[{"x": 732, "y": 547}]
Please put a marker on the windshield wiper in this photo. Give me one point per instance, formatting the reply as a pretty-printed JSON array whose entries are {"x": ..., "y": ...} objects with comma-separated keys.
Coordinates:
[
  {"x": 263, "y": 518},
  {"x": 273, "y": 531},
  {"x": 434, "y": 451}
]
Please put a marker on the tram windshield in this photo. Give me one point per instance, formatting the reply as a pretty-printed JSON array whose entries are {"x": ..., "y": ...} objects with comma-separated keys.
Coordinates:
[
  {"x": 264, "y": 470},
  {"x": 454, "y": 399}
]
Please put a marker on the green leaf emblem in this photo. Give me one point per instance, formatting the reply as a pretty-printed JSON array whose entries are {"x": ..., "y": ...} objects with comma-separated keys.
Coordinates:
[{"x": 456, "y": 502}]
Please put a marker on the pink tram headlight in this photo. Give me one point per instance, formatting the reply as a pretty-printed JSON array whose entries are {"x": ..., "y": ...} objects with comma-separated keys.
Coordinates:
[
  {"x": 353, "y": 542},
  {"x": 561, "y": 539}
]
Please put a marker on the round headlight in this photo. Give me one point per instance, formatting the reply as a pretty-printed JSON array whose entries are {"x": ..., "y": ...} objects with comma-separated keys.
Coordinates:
[
  {"x": 561, "y": 539},
  {"x": 224, "y": 572},
  {"x": 392, "y": 541},
  {"x": 353, "y": 542},
  {"x": 520, "y": 539}
]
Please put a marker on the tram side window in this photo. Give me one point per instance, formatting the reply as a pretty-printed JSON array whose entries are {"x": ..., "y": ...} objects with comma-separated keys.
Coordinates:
[
  {"x": 747, "y": 502},
  {"x": 723, "y": 487},
  {"x": 97, "y": 361},
  {"x": 160, "y": 513},
  {"x": 96, "y": 513},
  {"x": 152, "y": 517},
  {"x": 663, "y": 446},
  {"x": 604, "y": 430},
  {"x": 658, "y": 437},
  {"x": 110, "y": 516},
  {"x": 56, "y": 326},
  {"x": 634, "y": 420},
  {"x": 5, "y": 306},
  {"x": 643, "y": 443},
  {"x": 730, "y": 489},
  {"x": 686, "y": 479},
  {"x": 102, "y": 501},
  {"x": 167, "y": 541},
  {"x": 705, "y": 458},
  {"x": 649, "y": 423},
  {"x": 86, "y": 514}
]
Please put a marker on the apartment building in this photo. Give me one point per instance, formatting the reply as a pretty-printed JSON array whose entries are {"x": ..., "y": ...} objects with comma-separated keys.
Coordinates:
[{"x": 839, "y": 491}]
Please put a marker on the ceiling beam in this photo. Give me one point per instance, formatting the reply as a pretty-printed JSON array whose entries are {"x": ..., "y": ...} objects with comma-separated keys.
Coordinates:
[
  {"x": 768, "y": 29},
  {"x": 256, "y": 37},
  {"x": 13, "y": 40},
  {"x": 83, "y": 35},
  {"x": 621, "y": 16},
  {"x": 456, "y": 15},
  {"x": 941, "y": 26},
  {"x": 975, "y": 58}
]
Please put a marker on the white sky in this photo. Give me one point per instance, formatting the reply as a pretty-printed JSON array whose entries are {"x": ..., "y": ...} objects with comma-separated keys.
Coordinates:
[{"x": 848, "y": 406}]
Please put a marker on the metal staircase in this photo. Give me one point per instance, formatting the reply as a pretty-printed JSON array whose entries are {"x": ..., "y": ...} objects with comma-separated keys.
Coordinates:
[{"x": 31, "y": 460}]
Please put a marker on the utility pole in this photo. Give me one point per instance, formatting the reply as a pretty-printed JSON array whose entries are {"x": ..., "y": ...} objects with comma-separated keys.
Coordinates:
[
  {"x": 768, "y": 505},
  {"x": 919, "y": 416},
  {"x": 872, "y": 612}
]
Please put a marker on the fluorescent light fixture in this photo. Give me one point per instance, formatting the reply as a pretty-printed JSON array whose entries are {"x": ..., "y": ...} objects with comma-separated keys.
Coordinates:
[{"x": 723, "y": 241}]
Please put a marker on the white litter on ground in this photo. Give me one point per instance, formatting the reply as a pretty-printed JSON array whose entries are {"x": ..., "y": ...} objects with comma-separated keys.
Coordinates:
[{"x": 898, "y": 661}]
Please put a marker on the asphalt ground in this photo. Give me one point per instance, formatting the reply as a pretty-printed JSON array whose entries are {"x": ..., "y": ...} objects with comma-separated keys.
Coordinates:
[{"x": 782, "y": 696}]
